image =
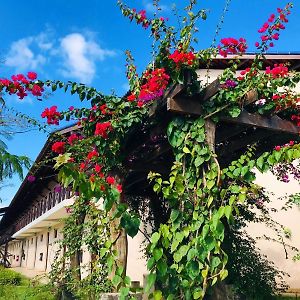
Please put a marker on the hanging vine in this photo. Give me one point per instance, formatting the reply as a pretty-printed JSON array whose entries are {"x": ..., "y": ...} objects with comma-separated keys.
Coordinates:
[{"x": 186, "y": 256}]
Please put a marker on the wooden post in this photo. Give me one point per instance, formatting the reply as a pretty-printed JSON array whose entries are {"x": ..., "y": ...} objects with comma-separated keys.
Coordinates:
[
  {"x": 121, "y": 243},
  {"x": 210, "y": 128},
  {"x": 119, "y": 236}
]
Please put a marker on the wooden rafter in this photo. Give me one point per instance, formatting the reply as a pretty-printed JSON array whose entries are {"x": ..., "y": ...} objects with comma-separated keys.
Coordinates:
[
  {"x": 273, "y": 123},
  {"x": 193, "y": 106}
]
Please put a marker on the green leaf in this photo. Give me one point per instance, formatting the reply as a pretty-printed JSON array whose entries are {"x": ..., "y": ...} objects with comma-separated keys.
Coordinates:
[
  {"x": 186, "y": 150},
  {"x": 162, "y": 267},
  {"x": 155, "y": 238},
  {"x": 150, "y": 263},
  {"x": 176, "y": 241},
  {"x": 177, "y": 256},
  {"x": 192, "y": 253},
  {"x": 116, "y": 280},
  {"x": 110, "y": 261},
  {"x": 130, "y": 223},
  {"x": 260, "y": 163},
  {"x": 210, "y": 184},
  {"x": 197, "y": 293},
  {"x": 277, "y": 155},
  {"x": 193, "y": 269},
  {"x": 157, "y": 295},
  {"x": 228, "y": 211},
  {"x": 124, "y": 292},
  {"x": 199, "y": 161},
  {"x": 184, "y": 249},
  {"x": 150, "y": 280},
  {"x": 215, "y": 262},
  {"x": 223, "y": 274},
  {"x": 234, "y": 111},
  {"x": 174, "y": 215},
  {"x": 157, "y": 253}
]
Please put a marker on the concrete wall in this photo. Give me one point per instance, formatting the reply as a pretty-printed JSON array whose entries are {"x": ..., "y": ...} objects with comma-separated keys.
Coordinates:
[{"x": 289, "y": 219}]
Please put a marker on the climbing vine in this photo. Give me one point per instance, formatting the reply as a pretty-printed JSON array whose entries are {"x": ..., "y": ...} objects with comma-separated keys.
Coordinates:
[{"x": 186, "y": 254}]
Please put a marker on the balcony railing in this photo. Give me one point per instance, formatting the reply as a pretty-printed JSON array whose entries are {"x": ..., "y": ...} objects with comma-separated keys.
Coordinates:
[{"x": 42, "y": 206}]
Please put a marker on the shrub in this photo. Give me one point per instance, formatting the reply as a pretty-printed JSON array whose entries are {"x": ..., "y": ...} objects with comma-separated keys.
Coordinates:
[{"x": 9, "y": 277}]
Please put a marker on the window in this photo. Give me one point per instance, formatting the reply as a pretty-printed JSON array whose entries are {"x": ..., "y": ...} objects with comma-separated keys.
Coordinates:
[
  {"x": 41, "y": 256},
  {"x": 80, "y": 256},
  {"x": 42, "y": 236},
  {"x": 32, "y": 241},
  {"x": 55, "y": 233}
]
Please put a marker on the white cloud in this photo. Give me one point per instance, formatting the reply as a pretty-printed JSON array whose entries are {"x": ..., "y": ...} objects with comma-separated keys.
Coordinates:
[
  {"x": 74, "y": 55},
  {"x": 80, "y": 55},
  {"x": 22, "y": 57},
  {"x": 43, "y": 41}
]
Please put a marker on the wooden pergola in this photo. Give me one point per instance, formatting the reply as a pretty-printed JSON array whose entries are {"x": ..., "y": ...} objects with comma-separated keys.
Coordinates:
[{"x": 148, "y": 149}]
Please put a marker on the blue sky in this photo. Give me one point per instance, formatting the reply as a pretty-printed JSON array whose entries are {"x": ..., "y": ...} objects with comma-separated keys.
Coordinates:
[{"x": 85, "y": 41}]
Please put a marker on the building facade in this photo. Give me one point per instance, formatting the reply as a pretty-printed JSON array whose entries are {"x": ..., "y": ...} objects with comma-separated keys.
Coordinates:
[{"x": 32, "y": 225}]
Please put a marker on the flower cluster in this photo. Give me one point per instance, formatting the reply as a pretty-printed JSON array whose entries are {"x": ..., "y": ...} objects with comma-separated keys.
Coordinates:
[
  {"x": 102, "y": 129},
  {"x": 229, "y": 84},
  {"x": 92, "y": 154},
  {"x": 58, "y": 147},
  {"x": 21, "y": 85},
  {"x": 283, "y": 101},
  {"x": 277, "y": 71},
  {"x": 249, "y": 72},
  {"x": 260, "y": 102},
  {"x": 296, "y": 119},
  {"x": 156, "y": 83},
  {"x": 52, "y": 115},
  {"x": 182, "y": 58},
  {"x": 232, "y": 46},
  {"x": 140, "y": 17},
  {"x": 270, "y": 29},
  {"x": 73, "y": 138}
]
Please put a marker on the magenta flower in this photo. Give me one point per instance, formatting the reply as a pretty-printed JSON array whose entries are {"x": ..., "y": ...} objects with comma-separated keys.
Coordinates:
[{"x": 31, "y": 178}]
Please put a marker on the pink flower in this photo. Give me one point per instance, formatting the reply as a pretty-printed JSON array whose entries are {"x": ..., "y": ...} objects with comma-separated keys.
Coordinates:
[
  {"x": 110, "y": 180},
  {"x": 92, "y": 154},
  {"x": 72, "y": 138},
  {"x": 119, "y": 188},
  {"x": 37, "y": 90},
  {"x": 58, "y": 147},
  {"x": 32, "y": 75},
  {"x": 31, "y": 178},
  {"x": 277, "y": 148},
  {"x": 102, "y": 129},
  {"x": 52, "y": 115}
]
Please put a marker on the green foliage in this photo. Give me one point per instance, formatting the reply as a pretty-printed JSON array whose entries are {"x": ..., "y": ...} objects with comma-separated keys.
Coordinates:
[
  {"x": 9, "y": 277},
  {"x": 250, "y": 272},
  {"x": 14, "y": 286},
  {"x": 187, "y": 252},
  {"x": 11, "y": 164}
]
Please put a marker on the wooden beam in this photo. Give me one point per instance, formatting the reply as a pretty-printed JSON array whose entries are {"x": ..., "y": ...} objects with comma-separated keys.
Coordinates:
[
  {"x": 211, "y": 90},
  {"x": 273, "y": 123},
  {"x": 184, "y": 105},
  {"x": 171, "y": 92},
  {"x": 231, "y": 147},
  {"x": 227, "y": 131}
]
